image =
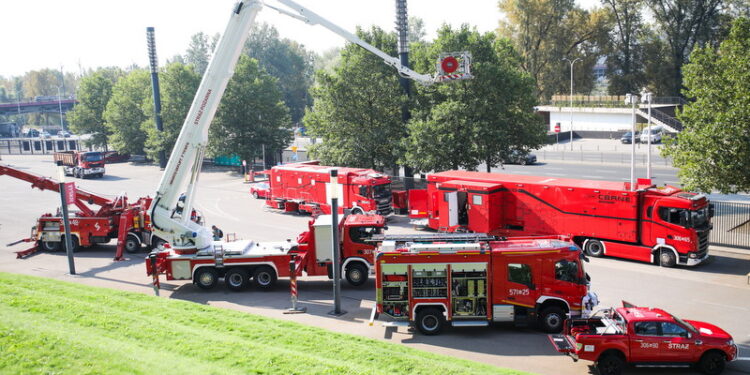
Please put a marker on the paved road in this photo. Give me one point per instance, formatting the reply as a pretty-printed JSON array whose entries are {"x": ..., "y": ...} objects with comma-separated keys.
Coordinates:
[
  {"x": 592, "y": 171},
  {"x": 716, "y": 292}
]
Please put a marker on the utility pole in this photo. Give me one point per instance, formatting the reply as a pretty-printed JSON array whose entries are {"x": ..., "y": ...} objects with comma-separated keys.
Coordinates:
[
  {"x": 333, "y": 193},
  {"x": 154, "y": 64},
  {"x": 571, "y": 98},
  {"x": 647, "y": 97},
  {"x": 632, "y": 99},
  {"x": 402, "y": 27}
]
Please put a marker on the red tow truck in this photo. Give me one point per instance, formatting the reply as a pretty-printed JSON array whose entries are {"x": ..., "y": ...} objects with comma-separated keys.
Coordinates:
[
  {"x": 237, "y": 262},
  {"x": 662, "y": 225},
  {"x": 113, "y": 219},
  {"x": 305, "y": 187},
  {"x": 475, "y": 283},
  {"x": 81, "y": 164},
  {"x": 645, "y": 337}
]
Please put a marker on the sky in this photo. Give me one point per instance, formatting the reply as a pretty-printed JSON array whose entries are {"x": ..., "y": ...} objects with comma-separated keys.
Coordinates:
[{"x": 75, "y": 34}]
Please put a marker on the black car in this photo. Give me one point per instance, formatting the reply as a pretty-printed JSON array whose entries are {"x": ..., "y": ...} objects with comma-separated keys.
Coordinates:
[
  {"x": 628, "y": 137},
  {"x": 519, "y": 157}
]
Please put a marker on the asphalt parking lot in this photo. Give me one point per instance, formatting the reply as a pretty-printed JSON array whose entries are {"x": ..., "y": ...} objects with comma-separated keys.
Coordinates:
[{"x": 717, "y": 292}]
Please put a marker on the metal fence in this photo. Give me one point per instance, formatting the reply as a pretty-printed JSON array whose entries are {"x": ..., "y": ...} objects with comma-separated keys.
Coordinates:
[
  {"x": 731, "y": 225},
  {"x": 34, "y": 146}
]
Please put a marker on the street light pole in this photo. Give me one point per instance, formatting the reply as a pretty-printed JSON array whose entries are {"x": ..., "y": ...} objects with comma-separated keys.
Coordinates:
[
  {"x": 632, "y": 99},
  {"x": 68, "y": 241},
  {"x": 59, "y": 103},
  {"x": 646, "y": 97},
  {"x": 333, "y": 193},
  {"x": 571, "y": 97}
]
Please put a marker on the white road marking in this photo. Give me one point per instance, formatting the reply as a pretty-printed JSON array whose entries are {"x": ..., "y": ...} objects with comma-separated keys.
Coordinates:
[
  {"x": 726, "y": 306},
  {"x": 743, "y": 359},
  {"x": 604, "y": 171}
]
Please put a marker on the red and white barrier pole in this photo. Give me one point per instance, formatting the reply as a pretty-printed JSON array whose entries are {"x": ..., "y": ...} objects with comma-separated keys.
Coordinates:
[{"x": 293, "y": 289}]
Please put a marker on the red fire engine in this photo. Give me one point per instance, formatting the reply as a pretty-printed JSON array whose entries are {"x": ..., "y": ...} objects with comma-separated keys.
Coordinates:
[
  {"x": 645, "y": 337},
  {"x": 81, "y": 164},
  {"x": 650, "y": 224},
  {"x": 475, "y": 283},
  {"x": 115, "y": 218},
  {"x": 305, "y": 187},
  {"x": 238, "y": 261}
]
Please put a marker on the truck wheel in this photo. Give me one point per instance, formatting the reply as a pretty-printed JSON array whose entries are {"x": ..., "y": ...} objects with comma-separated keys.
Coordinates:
[
  {"x": 73, "y": 242},
  {"x": 357, "y": 211},
  {"x": 100, "y": 175},
  {"x": 237, "y": 279},
  {"x": 552, "y": 319},
  {"x": 595, "y": 248},
  {"x": 712, "y": 363},
  {"x": 356, "y": 274},
  {"x": 430, "y": 321},
  {"x": 206, "y": 278},
  {"x": 255, "y": 194},
  {"x": 77, "y": 173},
  {"x": 667, "y": 258},
  {"x": 132, "y": 245},
  {"x": 158, "y": 244},
  {"x": 265, "y": 278},
  {"x": 50, "y": 246},
  {"x": 610, "y": 364}
]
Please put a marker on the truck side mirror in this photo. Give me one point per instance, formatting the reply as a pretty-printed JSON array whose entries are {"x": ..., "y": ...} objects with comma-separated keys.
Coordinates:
[{"x": 711, "y": 210}]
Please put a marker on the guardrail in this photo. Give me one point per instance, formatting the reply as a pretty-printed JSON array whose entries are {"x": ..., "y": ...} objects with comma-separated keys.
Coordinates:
[{"x": 731, "y": 225}]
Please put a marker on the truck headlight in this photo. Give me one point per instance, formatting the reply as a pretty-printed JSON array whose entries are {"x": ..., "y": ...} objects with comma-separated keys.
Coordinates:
[
  {"x": 692, "y": 255},
  {"x": 730, "y": 342}
]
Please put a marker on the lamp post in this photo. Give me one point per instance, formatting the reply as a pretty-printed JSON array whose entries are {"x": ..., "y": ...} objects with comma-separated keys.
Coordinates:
[
  {"x": 333, "y": 194},
  {"x": 647, "y": 97},
  {"x": 66, "y": 222},
  {"x": 632, "y": 99},
  {"x": 59, "y": 104},
  {"x": 572, "y": 62}
]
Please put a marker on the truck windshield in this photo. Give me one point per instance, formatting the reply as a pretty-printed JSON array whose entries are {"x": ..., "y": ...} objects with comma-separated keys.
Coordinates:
[
  {"x": 699, "y": 218},
  {"x": 685, "y": 324},
  {"x": 566, "y": 270},
  {"x": 93, "y": 156},
  {"x": 380, "y": 191}
]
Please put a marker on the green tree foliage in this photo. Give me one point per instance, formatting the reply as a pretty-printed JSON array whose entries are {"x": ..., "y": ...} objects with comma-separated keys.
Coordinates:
[
  {"x": 251, "y": 114},
  {"x": 286, "y": 60},
  {"x": 357, "y": 108},
  {"x": 178, "y": 84},
  {"x": 471, "y": 122},
  {"x": 125, "y": 114},
  {"x": 198, "y": 53},
  {"x": 625, "y": 55},
  {"x": 417, "y": 31},
  {"x": 545, "y": 31},
  {"x": 686, "y": 24},
  {"x": 713, "y": 151},
  {"x": 93, "y": 93}
]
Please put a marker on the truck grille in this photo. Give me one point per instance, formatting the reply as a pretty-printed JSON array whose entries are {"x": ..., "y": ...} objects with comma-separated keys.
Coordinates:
[
  {"x": 703, "y": 243},
  {"x": 385, "y": 205}
]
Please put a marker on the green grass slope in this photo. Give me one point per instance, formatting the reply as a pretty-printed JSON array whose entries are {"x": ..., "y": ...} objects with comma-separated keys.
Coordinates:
[{"x": 54, "y": 327}]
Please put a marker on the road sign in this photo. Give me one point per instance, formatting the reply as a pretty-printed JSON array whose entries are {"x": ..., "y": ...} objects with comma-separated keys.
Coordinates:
[{"x": 557, "y": 127}]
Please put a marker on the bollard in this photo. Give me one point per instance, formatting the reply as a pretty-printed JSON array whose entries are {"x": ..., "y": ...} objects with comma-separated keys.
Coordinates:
[
  {"x": 293, "y": 288},
  {"x": 154, "y": 273}
]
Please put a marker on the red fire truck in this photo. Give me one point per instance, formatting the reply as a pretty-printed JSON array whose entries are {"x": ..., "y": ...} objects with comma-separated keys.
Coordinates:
[
  {"x": 81, "y": 164},
  {"x": 475, "y": 283},
  {"x": 306, "y": 187},
  {"x": 645, "y": 337},
  {"x": 237, "y": 262},
  {"x": 663, "y": 225},
  {"x": 113, "y": 219}
]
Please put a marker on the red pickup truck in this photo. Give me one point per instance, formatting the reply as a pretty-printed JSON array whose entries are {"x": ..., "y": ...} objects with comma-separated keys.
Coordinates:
[{"x": 645, "y": 337}]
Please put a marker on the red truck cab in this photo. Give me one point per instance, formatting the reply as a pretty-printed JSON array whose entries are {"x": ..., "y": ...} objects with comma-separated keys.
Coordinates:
[{"x": 645, "y": 337}]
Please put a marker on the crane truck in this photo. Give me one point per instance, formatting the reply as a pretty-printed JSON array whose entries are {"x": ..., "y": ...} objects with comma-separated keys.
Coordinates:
[
  {"x": 192, "y": 241},
  {"x": 663, "y": 225}
]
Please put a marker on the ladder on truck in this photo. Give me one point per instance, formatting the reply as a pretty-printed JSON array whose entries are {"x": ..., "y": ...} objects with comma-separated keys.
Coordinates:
[{"x": 433, "y": 237}]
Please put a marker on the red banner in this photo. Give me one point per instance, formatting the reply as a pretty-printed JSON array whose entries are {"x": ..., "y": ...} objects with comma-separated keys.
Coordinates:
[{"x": 70, "y": 192}]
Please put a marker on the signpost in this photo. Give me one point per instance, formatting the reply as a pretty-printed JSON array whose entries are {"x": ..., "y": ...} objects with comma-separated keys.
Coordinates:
[{"x": 557, "y": 132}]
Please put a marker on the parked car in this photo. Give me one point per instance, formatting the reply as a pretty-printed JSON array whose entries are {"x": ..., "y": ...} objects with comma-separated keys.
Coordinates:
[
  {"x": 655, "y": 133},
  {"x": 64, "y": 134},
  {"x": 45, "y": 134},
  {"x": 628, "y": 137},
  {"x": 32, "y": 133},
  {"x": 519, "y": 157},
  {"x": 115, "y": 157},
  {"x": 260, "y": 190}
]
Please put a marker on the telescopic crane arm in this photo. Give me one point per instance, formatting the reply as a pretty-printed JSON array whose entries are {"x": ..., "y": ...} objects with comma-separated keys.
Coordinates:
[{"x": 183, "y": 168}]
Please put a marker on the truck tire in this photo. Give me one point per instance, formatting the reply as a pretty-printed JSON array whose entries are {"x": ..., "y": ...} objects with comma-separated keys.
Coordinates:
[
  {"x": 100, "y": 175},
  {"x": 206, "y": 278},
  {"x": 356, "y": 273},
  {"x": 610, "y": 364},
  {"x": 132, "y": 245},
  {"x": 594, "y": 248},
  {"x": 51, "y": 246},
  {"x": 667, "y": 258},
  {"x": 264, "y": 277},
  {"x": 552, "y": 319},
  {"x": 73, "y": 242},
  {"x": 237, "y": 279},
  {"x": 430, "y": 321},
  {"x": 712, "y": 363}
]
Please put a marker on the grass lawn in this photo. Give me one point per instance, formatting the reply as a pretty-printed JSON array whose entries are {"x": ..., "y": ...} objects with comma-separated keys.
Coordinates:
[{"x": 54, "y": 327}]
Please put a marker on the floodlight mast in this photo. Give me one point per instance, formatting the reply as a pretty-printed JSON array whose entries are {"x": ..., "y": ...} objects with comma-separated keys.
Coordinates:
[{"x": 184, "y": 165}]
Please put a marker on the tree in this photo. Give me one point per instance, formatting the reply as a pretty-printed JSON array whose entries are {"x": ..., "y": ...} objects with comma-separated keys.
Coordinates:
[
  {"x": 713, "y": 150},
  {"x": 686, "y": 24},
  {"x": 286, "y": 60},
  {"x": 471, "y": 122},
  {"x": 125, "y": 111},
  {"x": 179, "y": 83},
  {"x": 93, "y": 94},
  {"x": 198, "y": 53},
  {"x": 625, "y": 53},
  {"x": 417, "y": 31},
  {"x": 251, "y": 114},
  {"x": 357, "y": 108}
]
